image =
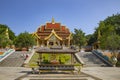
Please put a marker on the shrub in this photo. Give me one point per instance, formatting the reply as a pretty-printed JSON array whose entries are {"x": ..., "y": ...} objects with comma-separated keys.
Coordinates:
[{"x": 118, "y": 64}]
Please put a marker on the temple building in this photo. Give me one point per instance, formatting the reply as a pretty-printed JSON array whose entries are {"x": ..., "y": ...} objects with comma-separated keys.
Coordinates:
[{"x": 53, "y": 34}]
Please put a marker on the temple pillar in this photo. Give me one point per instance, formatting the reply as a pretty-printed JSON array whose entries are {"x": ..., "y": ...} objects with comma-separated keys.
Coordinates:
[
  {"x": 42, "y": 43},
  {"x": 47, "y": 43},
  {"x": 40, "y": 58},
  {"x": 63, "y": 43},
  {"x": 38, "y": 42},
  {"x": 54, "y": 43},
  {"x": 72, "y": 59},
  {"x": 68, "y": 42},
  {"x": 58, "y": 43}
]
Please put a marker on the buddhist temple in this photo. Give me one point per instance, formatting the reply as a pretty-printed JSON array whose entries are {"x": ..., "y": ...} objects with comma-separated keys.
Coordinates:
[{"x": 53, "y": 34}]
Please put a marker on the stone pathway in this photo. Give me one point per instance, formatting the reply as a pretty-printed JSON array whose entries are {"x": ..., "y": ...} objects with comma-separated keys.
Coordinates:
[
  {"x": 14, "y": 60},
  {"x": 57, "y": 76},
  {"x": 87, "y": 73},
  {"x": 104, "y": 73},
  {"x": 12, "y": 73},
  {"x": 91, "y": 60}
]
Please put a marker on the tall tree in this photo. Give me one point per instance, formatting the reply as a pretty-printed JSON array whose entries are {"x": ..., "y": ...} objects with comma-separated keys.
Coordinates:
[
  {"x": 6, "y": 36},
  {"x": 90, "y": 39},
  {"x": 3, "y": 31},
  {"x": 4, "y": 41},
  {"x": 114, "y": 20},
  {"x": 79, "y": 37},
  {"x": 24, "y": 40},
  {"x": 113, "y": 42},
  {"x": 109, "y": 31}
]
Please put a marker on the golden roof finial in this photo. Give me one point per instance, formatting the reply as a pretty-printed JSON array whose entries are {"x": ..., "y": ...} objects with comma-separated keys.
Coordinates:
[
  {"x": 53, "y": 21},
  {"x": 7, "y": 33}
]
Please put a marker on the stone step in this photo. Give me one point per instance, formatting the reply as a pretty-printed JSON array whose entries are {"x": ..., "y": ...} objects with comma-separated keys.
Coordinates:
[
  {"x": 58, "y": 77},
  {"x": 13, "y": 60},
  {"x": 91, "y": 60}
]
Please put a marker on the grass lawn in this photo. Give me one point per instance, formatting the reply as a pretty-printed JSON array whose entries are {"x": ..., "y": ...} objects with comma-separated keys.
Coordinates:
[
  {"x": 33, "y": 61},
  {"x": 63, "y": 58}
]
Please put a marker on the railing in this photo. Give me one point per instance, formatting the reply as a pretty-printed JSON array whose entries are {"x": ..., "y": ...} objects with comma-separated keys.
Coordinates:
[
  {"x": 6, "y": 54},
  {"x": 99, "y": 55},
  {"x": 79, "y": 60},
  {"x": 57, "y": 67}
]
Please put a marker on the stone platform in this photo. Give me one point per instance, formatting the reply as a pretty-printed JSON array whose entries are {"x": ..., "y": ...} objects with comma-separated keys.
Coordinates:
[
  {"x": 88, "y": 73},
  {"x": 57, "y": 76}
]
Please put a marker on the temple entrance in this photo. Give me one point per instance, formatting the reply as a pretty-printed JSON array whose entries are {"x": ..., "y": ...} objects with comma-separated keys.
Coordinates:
[{"x": 53, "y": 41}]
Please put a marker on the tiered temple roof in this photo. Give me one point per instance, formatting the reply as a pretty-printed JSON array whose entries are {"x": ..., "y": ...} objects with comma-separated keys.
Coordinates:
[{"x": 59, "y": 30}]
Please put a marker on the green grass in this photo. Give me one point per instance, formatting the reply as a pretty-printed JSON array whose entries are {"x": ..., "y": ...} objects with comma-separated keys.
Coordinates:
[
  {"x": 33, "y": 61},
  {"x": 62, "y": 58},
  {"x": 65, "y": 58}
]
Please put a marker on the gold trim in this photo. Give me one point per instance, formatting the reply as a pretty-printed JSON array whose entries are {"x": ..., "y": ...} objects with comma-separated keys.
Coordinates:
[
  {"x": 53, "y": 33},
  {"x": 35, "y": 34},
  {"x": 69, "y": 37}
]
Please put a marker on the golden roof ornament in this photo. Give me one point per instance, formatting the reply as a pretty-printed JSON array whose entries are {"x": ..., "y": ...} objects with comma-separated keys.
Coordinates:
[
  {"x": 7, "y": 33},
  {"x": 53, "y": 21}
]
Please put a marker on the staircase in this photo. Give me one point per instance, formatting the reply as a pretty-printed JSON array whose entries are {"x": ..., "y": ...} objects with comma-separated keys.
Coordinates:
[
  {"x": 91, "y": 60},
  {"x": 57, "y": 76},
  {"x": 14, "y": 60}
]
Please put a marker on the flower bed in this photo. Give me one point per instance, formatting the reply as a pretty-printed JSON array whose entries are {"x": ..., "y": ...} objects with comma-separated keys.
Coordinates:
[{"x": 1, "y": 53}]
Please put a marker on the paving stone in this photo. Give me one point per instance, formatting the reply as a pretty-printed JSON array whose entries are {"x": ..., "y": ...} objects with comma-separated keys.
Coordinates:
[{"x": 56, "y": 76}]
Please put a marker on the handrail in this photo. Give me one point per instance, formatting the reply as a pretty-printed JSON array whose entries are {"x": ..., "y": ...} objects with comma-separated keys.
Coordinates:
[
  {"x": 6, "y": 54},
  {"x": 79, "y": 60},
  {"x": 100, "y": 57}
]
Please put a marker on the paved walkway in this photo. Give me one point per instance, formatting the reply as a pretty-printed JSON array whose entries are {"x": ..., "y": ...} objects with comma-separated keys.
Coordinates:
[
  {"x": 56, "y": 76},
  {"x": 103, "y": 73},
  {"x": 11, "y": 73}
]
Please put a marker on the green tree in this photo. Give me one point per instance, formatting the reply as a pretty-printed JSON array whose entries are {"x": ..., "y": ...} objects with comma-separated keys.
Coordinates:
[
  {"x": 108, "y": 33},
  {"x": 3, "y": 31},
  {"x": 4, "y": 41},
  {"x": 113, "y": 42},
  {"x": 90, "y": 39},
  {"x": 79, "y": 38},
  {"x": 107, "y": 28},
  {"x": 24, "y": 40},
  {"x": 105, "y": 32},
  {"x": 113, "y": 20}
]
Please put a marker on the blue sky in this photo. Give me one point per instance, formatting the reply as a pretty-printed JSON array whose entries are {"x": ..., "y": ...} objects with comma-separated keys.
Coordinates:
[{"x": 28, "y": 15}]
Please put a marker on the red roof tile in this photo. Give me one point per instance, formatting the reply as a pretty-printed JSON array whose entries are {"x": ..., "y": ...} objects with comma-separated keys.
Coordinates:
[{"x": 46, "y": 29}]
